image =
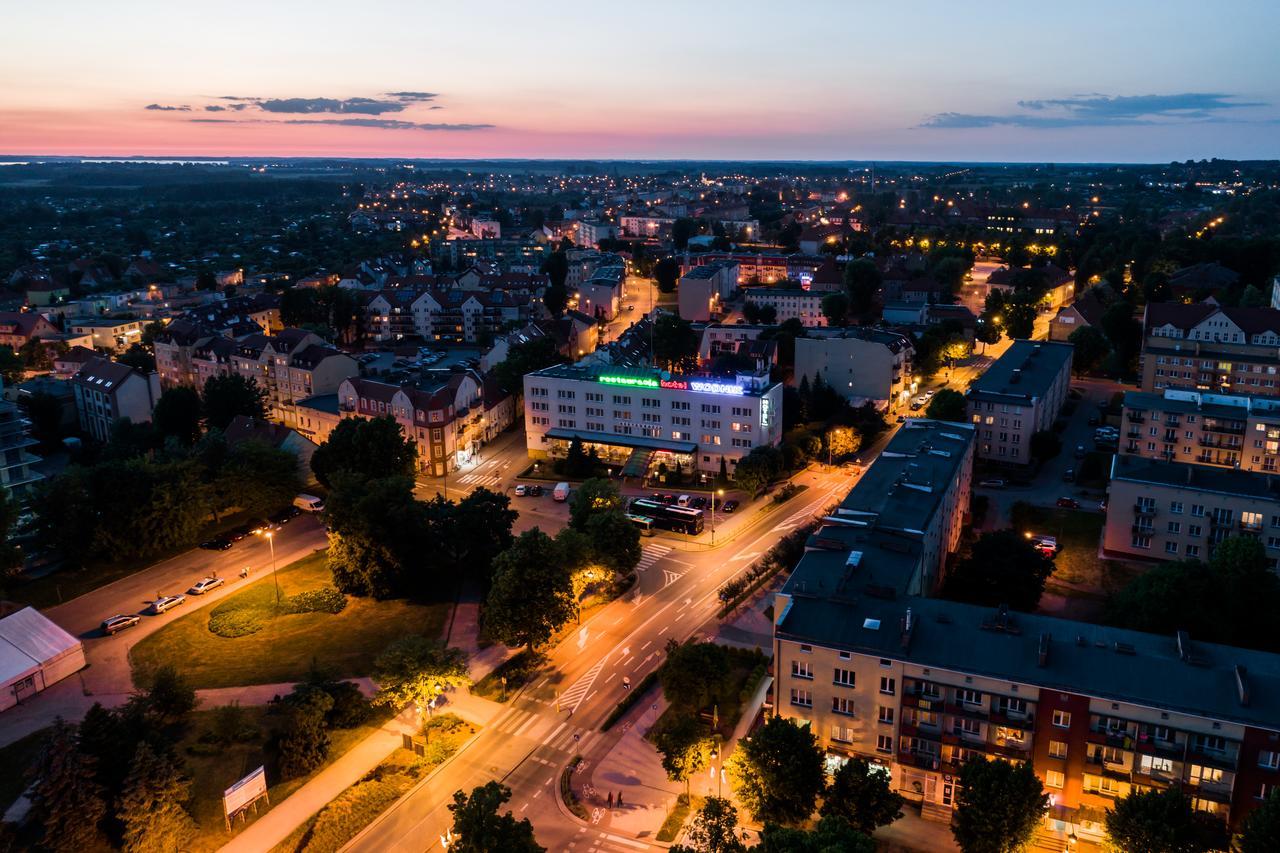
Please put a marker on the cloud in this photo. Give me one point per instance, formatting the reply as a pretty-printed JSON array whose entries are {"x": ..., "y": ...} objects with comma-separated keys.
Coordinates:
[
  {"x": 1096, "y": 110},
  {"x": 362, "y": 106},
  {"x": 168, "y": 109},
  {"x": 436, "y": 107},
  {"x": 379, "y": 123},
  {"x": 237, "y": 98},
  {"x": 214, "y": 108},
  {"x": 412, "y": 96}
]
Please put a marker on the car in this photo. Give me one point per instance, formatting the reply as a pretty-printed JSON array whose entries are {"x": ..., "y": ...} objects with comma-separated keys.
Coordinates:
[
  {"x": 285, "y": 515},
  {"x": 115, "y": 624},
  {"x": 901, "y": 419},
  {"x": 1068, "y": 503},
  {"x": 1093, "y": 420},
  {"x": 521, "y": 490},
  {"x": 203, "y": 585},
  {"x": 928, "y": 395},
  {"x": 264, "y": 526},
  {"x": 534, "y": 491},
  {"x": 729, "y": 506},
  {"x": 698, "y": 503},
  {"x": 993, "y": 483},
  {"x": 217, "y": 543},
  {"x": 238, "y": 532},
  {"x": 1069, "y": 475},
  {"x": 1080, "y": 451},
  {"x": 165, "y": 603}
]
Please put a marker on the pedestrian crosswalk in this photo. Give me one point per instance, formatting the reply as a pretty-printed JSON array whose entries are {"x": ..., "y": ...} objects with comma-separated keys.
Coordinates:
[
  {"x": 572, "y": 698},
  {"x": 651, "y": 554},
  {"x": 477, "y": 478},
  {"x": 548, "y": 730}
]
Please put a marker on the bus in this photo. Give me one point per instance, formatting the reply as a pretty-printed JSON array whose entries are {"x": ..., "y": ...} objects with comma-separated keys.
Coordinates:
[
  {"x": 677, "y": 519},
  {"x": 642, "y": 522}
]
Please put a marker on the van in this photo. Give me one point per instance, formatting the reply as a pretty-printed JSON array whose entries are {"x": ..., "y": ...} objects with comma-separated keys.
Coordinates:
[
  {"x": 309, "y": 503},
  {"x": 561, "y": 492},
  {"x": 683, "y": 501}
]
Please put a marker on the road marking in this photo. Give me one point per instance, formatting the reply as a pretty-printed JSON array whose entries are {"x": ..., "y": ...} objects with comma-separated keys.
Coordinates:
[
  {"x": 745, "y": 555},
  {"x": 520, "y": 731},
  {"x": 646, "y": 645},
  {"x": 628, "y": 660},
  {"x": 669, "y": 577},
  {"x": 617, "y": 839},
  {"x": 553, "y": 734},
  {"x": 572, "y": 697},
  {"x": 610, "y": 678},
  {"x": 650, "y": 554}
]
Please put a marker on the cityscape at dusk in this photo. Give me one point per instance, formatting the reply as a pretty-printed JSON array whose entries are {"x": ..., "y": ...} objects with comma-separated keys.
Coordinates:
[{"x": 842, "y": 427}]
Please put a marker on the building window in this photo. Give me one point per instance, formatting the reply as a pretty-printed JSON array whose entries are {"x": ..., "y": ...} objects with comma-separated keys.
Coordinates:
[
  {"x": 965, "y": 696},
  {"x": 1171, "y": 547},
  {"x": 1193, "y": 550},
  {"x": 844, "y": 678},
  {"x": 1057, "y": 749},
  {"x": 1054, "y": 779},
  {"x": 1269, "y": 760},
  {"x": 884, "y": 743},
  {"x": 801, "y": 669},
  {"x": 887, "y": 685},
  {"x": 1062, "y": 719},
  {"x": 1140, "y": 540},
  {"x": 801, "y": 698},
  {"x": 842, "y": 705},
  {"x": 885, "y": 714}
]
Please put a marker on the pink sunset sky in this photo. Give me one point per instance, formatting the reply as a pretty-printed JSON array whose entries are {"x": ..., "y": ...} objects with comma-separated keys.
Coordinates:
[{"x": 1109, "y": 81}]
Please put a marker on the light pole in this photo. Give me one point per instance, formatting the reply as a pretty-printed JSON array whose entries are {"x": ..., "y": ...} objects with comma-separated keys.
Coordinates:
[
  {"x": 719, "y": 492},
  {"x": 271, "y": 542}
]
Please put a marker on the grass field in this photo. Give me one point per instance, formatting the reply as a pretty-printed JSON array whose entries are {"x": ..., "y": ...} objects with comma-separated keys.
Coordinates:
[
  {"x": 285, "y": 644},
  {"x": 1077, "y": 564}
]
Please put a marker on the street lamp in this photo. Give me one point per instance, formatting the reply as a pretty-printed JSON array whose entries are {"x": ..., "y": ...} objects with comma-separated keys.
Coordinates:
[
  {"x": 271, "y": 541},
  {"x": 719, "y": 492}
]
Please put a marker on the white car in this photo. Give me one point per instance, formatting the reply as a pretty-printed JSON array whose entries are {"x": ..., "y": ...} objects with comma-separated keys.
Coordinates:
[
  {"x": 203, "y": 585},
  {"x": 167, "y": 602},
  {"x": 521, "y": 490}
]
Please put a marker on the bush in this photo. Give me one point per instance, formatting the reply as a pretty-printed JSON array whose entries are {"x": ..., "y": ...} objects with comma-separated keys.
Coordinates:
[
  {"x": 350, "y": 707},
  {"x": 235, "y": 623},
  {"x": 243, "y": 615},
  {"x": 327, "y": 599}
]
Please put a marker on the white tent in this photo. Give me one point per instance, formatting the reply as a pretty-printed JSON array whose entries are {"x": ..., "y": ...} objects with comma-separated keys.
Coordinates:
[{"x": 34, "y": 654}]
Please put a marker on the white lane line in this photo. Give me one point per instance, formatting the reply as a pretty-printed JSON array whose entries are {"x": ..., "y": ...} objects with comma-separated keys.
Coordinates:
[
  {"x": 520, "y": 731},
  {"x": 553, "y": 734},
  {"x": 646, "y": 645}
]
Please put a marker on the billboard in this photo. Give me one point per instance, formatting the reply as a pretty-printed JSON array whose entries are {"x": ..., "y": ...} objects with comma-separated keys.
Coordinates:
[{"x": 245, "y": 791}]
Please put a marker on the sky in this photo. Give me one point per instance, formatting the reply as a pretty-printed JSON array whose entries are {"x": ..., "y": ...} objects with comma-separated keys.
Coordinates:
[{"x": 979, "y": 80}]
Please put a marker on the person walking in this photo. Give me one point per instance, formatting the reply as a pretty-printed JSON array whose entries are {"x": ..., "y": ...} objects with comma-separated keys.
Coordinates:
[
  {"x": 619, "y": 799},
  {"x": 611, "y": 800}
]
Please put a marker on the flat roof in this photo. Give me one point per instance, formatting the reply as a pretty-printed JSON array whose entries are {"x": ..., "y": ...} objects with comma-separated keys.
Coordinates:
[
  {"x": 1236, "y": 406},
  {"x": 321, "y": 403},
  {"x": 1026, "y": 369},
  {"x": 651, "y": 379},
  {"x": 1200, "y": 478},
  {"x": 637, "y": 441},
  {"x": 1093, "y": 660}
]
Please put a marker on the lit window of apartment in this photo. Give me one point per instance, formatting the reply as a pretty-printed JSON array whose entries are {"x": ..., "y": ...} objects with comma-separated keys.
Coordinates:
[
  {"x": 1062, "y": 719},
  {"x": 1057, "y": 749},
  {"x": 1054, "y": 779}
]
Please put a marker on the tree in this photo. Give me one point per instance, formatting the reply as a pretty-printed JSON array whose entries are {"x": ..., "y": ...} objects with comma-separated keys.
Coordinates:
[
  {"x": 948, "y": 405},
  {"x": 152, "y": 805},
  {"x": 478, "y": 828},
  {"x": 1261, "y": 830},
  {"x": 757, "y": 469},
  {"x": 674, "y": 341},
  {"x": 695, "y": 675},
  {"x": 228, "y": 396},
  {"x": 524, "y": 358},
  {"x": 832, "y": 834},
  {"x": 302, "y": 742},
  {"x": 139, "y": 358},
  {"x": 369, "y": 448},
  {"x": 170, "y": 698},
  {"x": 861, "y": 795},
  {"x": 999, "y": 804},
  {"x": 1164, "y": 821},
  {"x": 12, "y": 369},
  {"x": 36, "y": 354},
  {"x": 615, "y": 541},
  {"x": 757, "y": 314},
  {"x": 472, "y": 532},
  {"x": 681, "y": 230},
  {"x": 45, "y": 412},
  {"x": 256, "y": 477},
  {"x": 777, "y": 772},
  {"x": 206, "y": 280},
  {"x": 414, "y": 670},
  {"x": 532, "y": 592},
  {"x": 594, "y": 496},
  {"x": 715, "y": 828},
  {"x": 66, "y": 801},
  {"x": 684, "y": 746},
  {"x": 10, "y": 554},
  {"x": 556, "y": 296},
  {"x": 835, "y": 307},
  {"x": 667, "y": 273},
  {"x": 841, "y": 441},
  {"x": 1044, "y": 445},
  {"x": 1003, "y": 567},
  {"x": 1091, "y": 349},
  {"x": 377, "y": 534},
  {"x": 1125, "y": 334},
  {"x": 862, "y": 281},
  {"x": 1253, "y": 298},
  {"x": 177, "y": 414}
]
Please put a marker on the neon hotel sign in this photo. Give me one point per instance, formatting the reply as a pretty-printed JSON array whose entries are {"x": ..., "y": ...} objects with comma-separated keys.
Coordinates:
[{"x": 698, "y": 386}]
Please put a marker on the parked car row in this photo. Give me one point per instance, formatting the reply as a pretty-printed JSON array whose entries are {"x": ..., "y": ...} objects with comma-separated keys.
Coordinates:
[
  {"x": 531, "y": 490},
  {"x": 163, "y": 604},
  {"x": 271, "y": 523}
]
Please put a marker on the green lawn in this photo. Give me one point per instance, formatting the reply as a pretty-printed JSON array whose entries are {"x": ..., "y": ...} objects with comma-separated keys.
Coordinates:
[
  {"x": 1077, "y": 563},
  {"x": 283, "y": 649}
]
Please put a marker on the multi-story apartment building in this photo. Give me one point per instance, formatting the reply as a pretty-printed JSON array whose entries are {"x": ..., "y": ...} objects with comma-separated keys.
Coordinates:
[
  {"x": 1172, "y": 510},
  {"x": 600, "y": 295},
  {"x": 1205, "y": 347},
  {"x": 1019, "y": 395},
  {"x": 289, "y": 367},
  {"x": 921, "y": 685},
  {"x": 16, "y": 458},
  {"x": 110, "y": 333},
  {"x": 1201, "y": 428},
  {"x": 639, "y": 416},
  {"x": 106, "y": 391},
  {"x": 860, "y": 363},
  {"x": 791, "y": 303}
]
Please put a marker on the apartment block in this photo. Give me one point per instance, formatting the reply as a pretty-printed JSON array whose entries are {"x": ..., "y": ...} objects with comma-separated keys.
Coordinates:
[
  {"x": 1019, "y": 395},
  {"x": 637, "y": 417},
  {"x": 1206, "y": 347},
  {"x": 919, "y": 686},
  {"x": 107, "y": 391},
  {"x": 791, "y": 303},
  {"x": 109, "y": 333},
  {"x": 1172, "y": 510},
  {"x": 1202, "y": 428},
  {"x": 17, "y": 475},
  {"x": 861, "y": 364}
]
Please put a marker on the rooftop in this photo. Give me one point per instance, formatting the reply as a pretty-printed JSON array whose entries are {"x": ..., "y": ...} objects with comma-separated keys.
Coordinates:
[
  {"x": 1201, "y": 679},
  {"x": 1203, "y": 403},
  {"x": 640, "y": 378},
  {"x": 1201, "y": 478},
  {"x": 1026, "y": 370}
]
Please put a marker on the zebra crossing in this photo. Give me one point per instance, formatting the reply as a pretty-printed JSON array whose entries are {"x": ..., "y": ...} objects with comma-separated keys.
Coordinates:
[
  {"x": 476, "y": 478},
  {"x": 572, "y": 698},
  {"x": 650, "y": 554},
  {"x": 550, "y": 731}
]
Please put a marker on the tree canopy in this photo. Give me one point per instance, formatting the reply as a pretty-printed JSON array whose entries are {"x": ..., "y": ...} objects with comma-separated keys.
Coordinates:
[
  {"x": 1162, "y": 820},
  {"x": 479, "y": 828},
  {"x": 532, "y": 592},
  {"x": 414, "y": 670},
  {"x": 228, "y": 396},
  {"x": 948, "y": 405},
  {"x": 999, "y": 804},
  {"x": 675, "y": 343},
  {"x": 369, "y": 448},
  {"x": 777, "y": 772},
  {"x": 1003, "y": 567},
  {"x": 859, "y": 792}
]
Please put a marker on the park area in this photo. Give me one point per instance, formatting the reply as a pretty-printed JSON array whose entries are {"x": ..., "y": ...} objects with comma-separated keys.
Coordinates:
[
  {"x": 1079, "y": 575},
  {"x": 248, "y": 638}
]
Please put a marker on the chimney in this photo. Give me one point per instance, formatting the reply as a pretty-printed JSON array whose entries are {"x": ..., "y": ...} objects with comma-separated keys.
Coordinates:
[
  {"x": 908, "y": 627},
  {"x": 1242, "y": 685},
  {"x": 1043, "y": 658}
]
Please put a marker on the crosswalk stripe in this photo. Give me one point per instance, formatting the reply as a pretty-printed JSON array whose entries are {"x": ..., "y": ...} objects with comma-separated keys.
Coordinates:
[
  {"x": 533, "y": 718},
  {"x": 572, "y": 697},
  {"x": 651, "y": 554}
]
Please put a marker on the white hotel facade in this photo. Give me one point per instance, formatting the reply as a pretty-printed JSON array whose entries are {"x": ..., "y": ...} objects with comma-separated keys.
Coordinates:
[{"x": 641, "y": 417}]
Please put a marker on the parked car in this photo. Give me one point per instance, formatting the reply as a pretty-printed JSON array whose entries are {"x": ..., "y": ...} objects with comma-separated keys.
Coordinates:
[
  {"x": 561, "y": 492},
  {"x": 116, "y": 624},
  {"x": 729, "y": 506},
  {"x": 1080, "y": 451},
  {"x": 238, "y": 532},
  {"x": 928, "y": 395},
  {"x": 217, "y": 543},
  {"x": 309, "y": 503},
  {"x": 993, "y": 483},
  {"x": 521, "y": 490},
  {"x": 285, "y": 515},
  {"x": 165, "y": 603},
  {"x": 203, "y": 585},
  {"x": 698, "y": 503},
  {"x": 264, "y": 525},
  {"x": 1069, "y": 475},
  {"x": 1068, "y": 503},
  {"x": 534, "y": 491}
]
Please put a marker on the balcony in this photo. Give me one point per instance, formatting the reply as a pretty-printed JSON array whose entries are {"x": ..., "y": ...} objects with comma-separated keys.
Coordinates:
[
  {"x": 1109, "y": 737},
  {"x": 1137, "y": 418},
  {"x": 1144, "y": 509},
  {"x": 1220, "y": 443},
  {"x": 1009, "y": 749},
  {"x": 1134, "y": 433},
  {"x": 972, "y": 712},
  {"x": 1013, "y": 719},
  {"x": 1224, "y": 427},
  {"x": 1163, "y": 749},
  {"x": 923, "y": 760}
]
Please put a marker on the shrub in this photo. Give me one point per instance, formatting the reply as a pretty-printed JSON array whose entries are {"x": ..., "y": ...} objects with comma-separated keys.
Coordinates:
[
  {"x": 327, "y": 599},
  {"x": 235, "y": 623}
]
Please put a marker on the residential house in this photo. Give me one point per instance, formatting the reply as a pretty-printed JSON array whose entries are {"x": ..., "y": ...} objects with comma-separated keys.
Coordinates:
[
  {"x": 861, "y": 364},
  {"x": 107, "y": 391}
]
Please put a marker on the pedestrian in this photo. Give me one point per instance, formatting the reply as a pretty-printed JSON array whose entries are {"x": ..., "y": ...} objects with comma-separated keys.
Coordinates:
[
  {"x": 619, "y": 799},
  {"x": 611, "y": 799}
]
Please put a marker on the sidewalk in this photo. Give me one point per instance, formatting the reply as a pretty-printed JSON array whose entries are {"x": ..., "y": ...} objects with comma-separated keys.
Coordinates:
[
  {"x": 464, "y": 632},
  {"x": 632, "y": 768},
  {"x": 283, "y": 818}
]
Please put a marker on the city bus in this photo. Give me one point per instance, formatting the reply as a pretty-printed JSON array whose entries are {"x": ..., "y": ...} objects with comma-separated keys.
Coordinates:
[
  {"x": 644, "y": 523},
  {"x": 677, "y": 519}
]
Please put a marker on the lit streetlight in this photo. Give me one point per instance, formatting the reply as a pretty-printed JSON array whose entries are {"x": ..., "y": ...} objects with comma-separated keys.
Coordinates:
[
  {"x": 719, "y": 492},
  {"x": 271, "y": 541}
]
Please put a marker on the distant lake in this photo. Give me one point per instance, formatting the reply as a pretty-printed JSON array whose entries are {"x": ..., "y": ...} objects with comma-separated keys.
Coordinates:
[
  {"x": 13, "y": 163},
  {"x": 158, "y": 162}
]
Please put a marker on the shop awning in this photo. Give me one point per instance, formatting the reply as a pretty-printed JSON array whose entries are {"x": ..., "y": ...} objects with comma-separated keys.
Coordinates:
[{"x": 634, "y": 441}]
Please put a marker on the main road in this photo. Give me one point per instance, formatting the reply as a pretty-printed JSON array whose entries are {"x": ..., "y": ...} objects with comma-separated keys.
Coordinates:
[{"x": 529, "y": 743}]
